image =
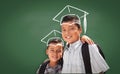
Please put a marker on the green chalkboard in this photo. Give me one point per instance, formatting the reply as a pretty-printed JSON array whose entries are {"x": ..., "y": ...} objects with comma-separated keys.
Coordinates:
[{"x": 24, "y": 22}]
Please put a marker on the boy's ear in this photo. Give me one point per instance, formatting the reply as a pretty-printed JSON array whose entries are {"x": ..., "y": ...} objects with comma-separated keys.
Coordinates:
[
  {"x": 47, "y": 51},
  {"x": 80, "y": 30}
]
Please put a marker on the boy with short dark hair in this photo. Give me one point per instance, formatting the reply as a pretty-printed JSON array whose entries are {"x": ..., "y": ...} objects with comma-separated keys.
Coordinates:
[
  {"x": 54, "y": 51},
  {"x": 73, "y": 60}
]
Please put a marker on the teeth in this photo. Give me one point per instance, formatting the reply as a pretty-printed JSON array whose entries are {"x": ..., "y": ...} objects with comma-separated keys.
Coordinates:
[
  {"x": 68, "y": 37},
  {"x": 55, "y": 57}
]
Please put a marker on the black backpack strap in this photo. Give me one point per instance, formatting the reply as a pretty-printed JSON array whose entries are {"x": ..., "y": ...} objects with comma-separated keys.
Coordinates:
[
  {"x": 100, "y": 51},
  {"x": 86, "y": 58},
  {"x": 60, "y": 62},
  {"x": 102, "y": 54},
  {"x": 43, "y": 67}
]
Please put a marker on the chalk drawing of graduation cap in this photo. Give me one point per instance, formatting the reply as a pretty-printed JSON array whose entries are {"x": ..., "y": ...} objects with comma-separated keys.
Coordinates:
[
  {"x": 54, "y": 34},
  {"x": 68, "y": 9}
]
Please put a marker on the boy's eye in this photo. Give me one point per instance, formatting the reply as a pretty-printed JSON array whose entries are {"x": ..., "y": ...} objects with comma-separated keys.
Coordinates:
[
  {"x": 51, "y": 50},
  {"x": 59, "y": 50},
  {"x": 63, "y": 30},
  {"x": 72, "y": 28}
]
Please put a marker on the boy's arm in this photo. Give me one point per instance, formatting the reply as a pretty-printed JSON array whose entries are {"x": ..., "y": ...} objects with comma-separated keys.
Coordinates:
[
  {"x": 87, "y": 39},
  {"x": 101, "y": 73},
  {"x": 98, "y": 62}
]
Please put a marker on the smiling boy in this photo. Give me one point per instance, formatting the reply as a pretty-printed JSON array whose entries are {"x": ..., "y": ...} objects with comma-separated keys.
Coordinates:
[
  {"x": 54, "y": 51},
  {"x": 73, "y": 60}
]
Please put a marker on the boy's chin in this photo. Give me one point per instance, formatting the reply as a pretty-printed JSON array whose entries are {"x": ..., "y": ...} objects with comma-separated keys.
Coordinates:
[
  {"x": 54, "y": 60},
  {"x": 70, "y": 42}
]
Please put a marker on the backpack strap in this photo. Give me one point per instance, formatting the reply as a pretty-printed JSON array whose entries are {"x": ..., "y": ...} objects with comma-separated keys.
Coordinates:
[
  {"x": 60, "y": 62},
  {"x": 100, "y": 51},
  {"x": 102, "y": 54},
  {"x": 86, "y": 58},
  {"x": 43, "y": 67}
]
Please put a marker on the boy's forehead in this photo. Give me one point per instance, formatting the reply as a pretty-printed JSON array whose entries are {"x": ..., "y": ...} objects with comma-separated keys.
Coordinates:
[
  {"x": 69, "y": 24},
  {"x": 55, "y": 47},
  {"x": 55, "y": 44}
]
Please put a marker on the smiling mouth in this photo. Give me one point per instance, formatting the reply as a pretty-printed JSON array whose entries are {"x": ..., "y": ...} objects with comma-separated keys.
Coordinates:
[
  {"x": 68, "y": 37},
  {"x": 54, "y": 57}
]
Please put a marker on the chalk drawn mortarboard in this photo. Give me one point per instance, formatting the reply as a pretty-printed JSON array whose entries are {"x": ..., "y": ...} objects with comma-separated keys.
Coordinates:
[
  {"x": 54, "y": 34},
  {"x": 68, "y": 9}
]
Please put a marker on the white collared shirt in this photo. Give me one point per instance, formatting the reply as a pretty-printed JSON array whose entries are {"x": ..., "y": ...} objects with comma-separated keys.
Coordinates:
[{"x": 73, "y": 61}]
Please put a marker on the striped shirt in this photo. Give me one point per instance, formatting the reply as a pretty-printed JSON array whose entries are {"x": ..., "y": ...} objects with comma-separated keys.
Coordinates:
[
  {"x": 73, "y": 61},
  {"x": 51, "y": 70}
]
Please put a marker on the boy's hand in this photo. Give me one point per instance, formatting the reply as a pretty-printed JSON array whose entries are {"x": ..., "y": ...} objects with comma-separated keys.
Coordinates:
[{"x": 87, "y": 39}]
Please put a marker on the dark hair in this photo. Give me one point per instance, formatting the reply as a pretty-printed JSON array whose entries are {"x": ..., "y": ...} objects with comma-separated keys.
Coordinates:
[
  {"x": 55, "y": 41},
  {"x": 70, "y": 17}
]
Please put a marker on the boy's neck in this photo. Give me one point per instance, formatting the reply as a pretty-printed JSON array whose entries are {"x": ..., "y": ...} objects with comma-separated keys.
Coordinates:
[{"x": 52, "y": 64}]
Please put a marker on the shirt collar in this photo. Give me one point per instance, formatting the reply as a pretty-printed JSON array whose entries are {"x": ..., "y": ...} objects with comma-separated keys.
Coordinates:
[
  {"x": 55, "y": 67},
  {"x": 75, "y": 44}
]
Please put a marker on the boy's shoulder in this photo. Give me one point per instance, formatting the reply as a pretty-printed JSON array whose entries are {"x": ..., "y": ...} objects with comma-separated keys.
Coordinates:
[
  {"x": 90, "y": 45},
  {"x": 46, "y": 60},
  {"x": 94, "y": 48},
  {"x": 42, "y": 67}
]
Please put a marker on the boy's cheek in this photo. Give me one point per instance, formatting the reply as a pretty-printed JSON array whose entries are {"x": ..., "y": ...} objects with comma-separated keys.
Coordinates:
[{"x": 60, "y": 54}]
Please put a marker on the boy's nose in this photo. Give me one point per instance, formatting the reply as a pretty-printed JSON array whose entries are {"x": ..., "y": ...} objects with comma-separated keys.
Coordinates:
[{"x": 55, "y": 52}]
